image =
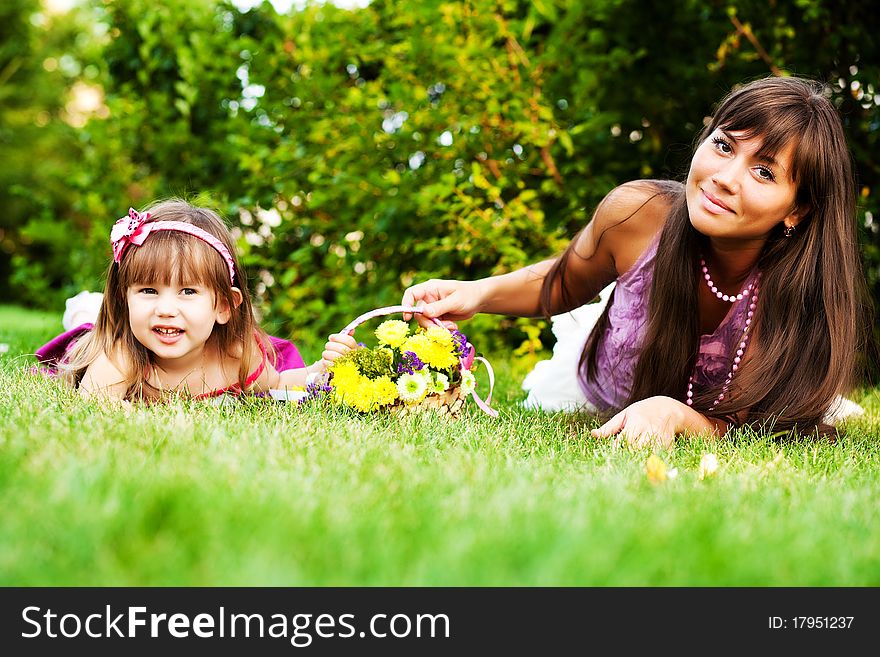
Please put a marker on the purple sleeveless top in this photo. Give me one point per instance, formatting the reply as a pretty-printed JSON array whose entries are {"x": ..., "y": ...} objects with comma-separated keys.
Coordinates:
[{"x": 621, "y": 342}]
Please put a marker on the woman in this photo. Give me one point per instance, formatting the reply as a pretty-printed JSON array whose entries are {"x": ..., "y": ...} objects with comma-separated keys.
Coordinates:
[{"x": 739, "y": 295}]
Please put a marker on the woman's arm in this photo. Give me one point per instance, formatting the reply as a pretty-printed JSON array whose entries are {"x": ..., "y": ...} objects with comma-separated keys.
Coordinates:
[
  {"x": 621, "y": 228},
  {"x": 657, "y": 421},
  {"x": 516, "y": 293}
]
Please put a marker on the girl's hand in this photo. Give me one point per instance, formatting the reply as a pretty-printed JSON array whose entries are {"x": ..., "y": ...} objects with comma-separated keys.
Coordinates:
[
  {"x": 446, "y": 300},
  {"x": 337, "y": 345},
  {"x": 654, "y": 422}
]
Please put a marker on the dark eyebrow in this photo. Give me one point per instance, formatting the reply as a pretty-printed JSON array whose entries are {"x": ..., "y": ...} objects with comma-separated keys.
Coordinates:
[
  {"x": 763, "y": 157},
  {"x": 773, "y": 162}
]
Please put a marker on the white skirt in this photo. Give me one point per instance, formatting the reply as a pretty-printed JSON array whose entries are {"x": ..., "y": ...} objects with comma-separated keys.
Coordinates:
[
  {"x": 553, "y": 384},
  {"x": 81, "y": 309}
]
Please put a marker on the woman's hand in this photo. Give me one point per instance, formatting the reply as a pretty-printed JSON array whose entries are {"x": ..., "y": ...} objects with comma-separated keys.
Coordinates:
[
  {"x": 655, "y": 421},
  {"x": 337, "y": 345},
  {"x": 446, "y": 300}
]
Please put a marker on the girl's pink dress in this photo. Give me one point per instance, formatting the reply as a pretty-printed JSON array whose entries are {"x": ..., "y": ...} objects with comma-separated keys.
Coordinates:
[{"x": 53, "y": 352}]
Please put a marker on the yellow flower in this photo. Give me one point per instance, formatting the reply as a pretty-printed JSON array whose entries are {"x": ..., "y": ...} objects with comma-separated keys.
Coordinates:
[
  {"x": 384, "y": 391},
  {"x": 444, "y": 352},
  {"x": 345, "y": 375},
  {"x": 392, "y": 332},
  {"x": 415, "y": 343},
  {"x": 361, "y": 398},
  {"x": 431, "y": 352},
  {"x": 440, "y": 336},
  {"x": 347, "y": 384},
  {"x": 357, "y": 391},
  {"x": 655, "y": 468},
  {"x": 708, "y": 465}
]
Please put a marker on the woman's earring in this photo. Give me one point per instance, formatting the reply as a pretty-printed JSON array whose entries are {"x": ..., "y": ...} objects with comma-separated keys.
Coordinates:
[{"x": 789, "y": 231}]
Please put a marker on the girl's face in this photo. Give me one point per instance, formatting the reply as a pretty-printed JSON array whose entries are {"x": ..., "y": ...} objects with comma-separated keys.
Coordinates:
[
  {"x": 174, "y": 321},
  {"x": 733, "y": 192}
]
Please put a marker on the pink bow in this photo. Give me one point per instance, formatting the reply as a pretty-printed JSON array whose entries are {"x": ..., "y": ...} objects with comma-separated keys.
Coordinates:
[
  {"x": 468, "y": 359},
  {"x": 128, "y": 231}
]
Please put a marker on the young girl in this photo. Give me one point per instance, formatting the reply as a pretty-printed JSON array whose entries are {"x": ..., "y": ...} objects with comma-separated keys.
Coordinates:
[
  {"x": 739, "y": 295},
  {"x": 176, "y": 318}
]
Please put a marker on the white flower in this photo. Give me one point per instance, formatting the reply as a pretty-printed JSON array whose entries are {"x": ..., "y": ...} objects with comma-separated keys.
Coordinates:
[
  {"x": 412, "y": 387},
  {"x": 468, "y": 382},
  {"x": 440, "y": 383},
  {"x": 708, "y": 465}
]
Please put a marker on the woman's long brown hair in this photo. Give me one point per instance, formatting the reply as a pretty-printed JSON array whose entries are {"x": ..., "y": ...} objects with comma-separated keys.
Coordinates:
[{"x": 813, "y": 314}]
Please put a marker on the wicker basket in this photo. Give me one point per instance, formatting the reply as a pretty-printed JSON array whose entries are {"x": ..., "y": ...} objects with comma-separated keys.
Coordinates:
[{"x": 451, "y": 402}]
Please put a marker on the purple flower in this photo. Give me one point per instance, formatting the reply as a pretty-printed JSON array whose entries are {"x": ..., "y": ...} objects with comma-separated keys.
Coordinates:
[
  {"x": 410, "y": 363},
  {"x": 464, "y": 349},
  {"x": 461, "y": 343},
  {"x": 318, "y": 388}
]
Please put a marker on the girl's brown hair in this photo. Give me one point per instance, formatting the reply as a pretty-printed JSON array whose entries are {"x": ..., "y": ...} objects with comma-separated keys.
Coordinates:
[
  {"x": 170, "y": 258},
  {"x": 813, "y": 312}
]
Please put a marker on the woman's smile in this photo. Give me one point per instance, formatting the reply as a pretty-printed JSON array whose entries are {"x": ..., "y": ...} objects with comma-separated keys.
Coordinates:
[{"x": 713, "y": 204}]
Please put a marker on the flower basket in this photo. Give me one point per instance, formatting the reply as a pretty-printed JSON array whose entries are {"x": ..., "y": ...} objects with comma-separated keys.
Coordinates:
[{"x": 409, "y": 371}]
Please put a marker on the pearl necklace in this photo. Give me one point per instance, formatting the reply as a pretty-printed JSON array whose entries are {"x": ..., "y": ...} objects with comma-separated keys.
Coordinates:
[
  {"x": 718, "y": 293},
  {"x": 740, "y": 350}
]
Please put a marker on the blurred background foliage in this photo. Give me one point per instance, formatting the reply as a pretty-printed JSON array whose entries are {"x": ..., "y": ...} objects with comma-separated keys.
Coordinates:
[{"x": 356, "y": 151}]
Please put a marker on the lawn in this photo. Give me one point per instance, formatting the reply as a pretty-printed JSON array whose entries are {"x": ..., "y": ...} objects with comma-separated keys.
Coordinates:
[{"x": 267, "y": 493}]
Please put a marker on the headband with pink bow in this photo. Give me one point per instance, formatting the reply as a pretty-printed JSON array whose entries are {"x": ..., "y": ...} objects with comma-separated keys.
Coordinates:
[{"x": 135, "y": 229}]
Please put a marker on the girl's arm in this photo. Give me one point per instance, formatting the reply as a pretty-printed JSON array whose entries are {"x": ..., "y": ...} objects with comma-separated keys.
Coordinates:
[
  {"x": 336, "y": 346},
  {"x": 296, "y": 378},
  {"x": 103, "y": 379},
  {"x": 656, "y": 421}
]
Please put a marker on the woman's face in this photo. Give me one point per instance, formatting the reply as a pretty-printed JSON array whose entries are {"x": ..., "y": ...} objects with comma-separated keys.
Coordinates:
[{"x": 734, "y": 193}]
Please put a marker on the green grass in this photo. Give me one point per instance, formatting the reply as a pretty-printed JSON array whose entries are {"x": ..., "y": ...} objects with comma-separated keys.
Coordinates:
[{"x": 262, "y": 493}]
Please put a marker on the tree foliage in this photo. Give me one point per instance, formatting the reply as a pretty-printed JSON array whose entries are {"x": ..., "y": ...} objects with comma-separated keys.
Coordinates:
[{"x": 357, "y": 151}]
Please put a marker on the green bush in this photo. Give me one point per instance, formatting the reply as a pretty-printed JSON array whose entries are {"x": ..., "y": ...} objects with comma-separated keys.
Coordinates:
[{"x": 356, "y": 152}]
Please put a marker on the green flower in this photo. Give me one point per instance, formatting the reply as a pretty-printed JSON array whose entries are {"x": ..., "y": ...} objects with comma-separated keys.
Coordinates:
[{"x": 372, "y": 363}]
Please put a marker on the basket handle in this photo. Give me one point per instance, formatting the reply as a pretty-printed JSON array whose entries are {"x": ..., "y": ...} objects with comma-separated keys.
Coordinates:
[
  {"x": 381, "y": 312},
  {"x": 393, "y": 310}
]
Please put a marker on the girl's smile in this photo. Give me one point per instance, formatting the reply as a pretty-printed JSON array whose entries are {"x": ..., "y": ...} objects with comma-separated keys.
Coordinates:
[{"x": 168, "y": 334}]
